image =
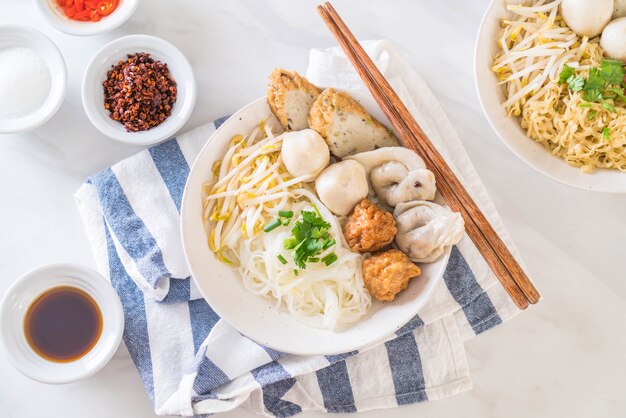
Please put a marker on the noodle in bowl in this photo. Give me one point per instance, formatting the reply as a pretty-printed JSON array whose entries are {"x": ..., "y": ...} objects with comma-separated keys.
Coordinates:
[
  {"x": 535, "y": 46},
  {"x": 320, "y": 296},
  {"x": 256, "y": 306},
  {"x": 531, "y": 112}
]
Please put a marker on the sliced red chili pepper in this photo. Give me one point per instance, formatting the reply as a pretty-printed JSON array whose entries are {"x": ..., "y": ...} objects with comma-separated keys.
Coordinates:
[
  {"x": 95, "y": 16},
  {"x": 106, "y": 7},
  {"x": 70, "y": 11},
  {"x": 85, "y": 10},
  {"x": 82, "y": 15}
]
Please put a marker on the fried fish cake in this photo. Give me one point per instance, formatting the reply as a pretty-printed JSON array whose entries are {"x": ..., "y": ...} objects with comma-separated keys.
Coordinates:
[
  {"x": 290, "y": 96},
  {"x": 346, "y": 126},
  {"x": 369, "y": 227},
  {"x": 388, "y": 273}
]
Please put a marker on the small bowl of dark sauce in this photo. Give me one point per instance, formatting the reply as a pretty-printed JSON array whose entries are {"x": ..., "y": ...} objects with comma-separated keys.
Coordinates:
[{"x": 61, "y": 323}]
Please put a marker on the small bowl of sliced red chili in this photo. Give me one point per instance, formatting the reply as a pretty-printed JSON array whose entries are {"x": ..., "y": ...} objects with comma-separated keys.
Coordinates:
[
  {"x": 139, "y": 89},
  {"x": 86, "y": 17}
]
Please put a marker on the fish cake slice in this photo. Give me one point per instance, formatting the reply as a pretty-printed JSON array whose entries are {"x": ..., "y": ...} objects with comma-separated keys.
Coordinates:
[
  {"x": 346, "y": 126},
  {"x": 290, "y": 97}
]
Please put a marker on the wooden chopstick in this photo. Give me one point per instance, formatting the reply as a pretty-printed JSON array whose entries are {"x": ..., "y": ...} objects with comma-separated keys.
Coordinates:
[
  {"x": 408, "y": 137},
  {"x": 499, "y": 258}
]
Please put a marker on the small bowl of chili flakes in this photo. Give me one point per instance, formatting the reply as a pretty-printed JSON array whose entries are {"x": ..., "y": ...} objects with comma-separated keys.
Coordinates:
[
  {"x": 139, "y": 89},
  {"x": 86, "y": 17}
]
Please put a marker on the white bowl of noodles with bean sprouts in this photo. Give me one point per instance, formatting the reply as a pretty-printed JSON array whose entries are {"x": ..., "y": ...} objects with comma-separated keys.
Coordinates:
[
  {"x": 242, "y": 220},
  {"x": 553, "y": 96}
]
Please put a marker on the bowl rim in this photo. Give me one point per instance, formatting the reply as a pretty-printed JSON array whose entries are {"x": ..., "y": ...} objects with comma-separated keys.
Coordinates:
[
  {"x": 58, "y": 86},
  {"x": 186, "y": 227},
  {"x": 75, "y": 28},
  {"x": 576, "y": 179},
  {"x": 110, "y": 53},
  {"x": 75, "y": 370}
]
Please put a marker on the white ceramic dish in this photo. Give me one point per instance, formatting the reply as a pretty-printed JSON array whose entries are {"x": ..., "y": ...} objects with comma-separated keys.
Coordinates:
[
  {"x": 508, "y": 128},
  {"x": 26, "y": 289},
  {"x": 160, "y": 50},
  {"x": 55, "y": 17},
  {"x": 25, "y": 36},
  {"x": 256, "y": 317}
]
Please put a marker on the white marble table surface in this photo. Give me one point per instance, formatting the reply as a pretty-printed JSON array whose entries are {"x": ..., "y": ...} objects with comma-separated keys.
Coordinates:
[{"x": 563, "y": 358}]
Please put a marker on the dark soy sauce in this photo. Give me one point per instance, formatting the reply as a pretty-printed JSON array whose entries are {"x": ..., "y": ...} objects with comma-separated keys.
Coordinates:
[{"x": 63, "y": 324}]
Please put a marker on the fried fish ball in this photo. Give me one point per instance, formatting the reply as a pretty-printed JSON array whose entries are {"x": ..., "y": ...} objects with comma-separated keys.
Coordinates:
[
  {"x": 369, "y": 228},
  {"x": 388, "y": 273}
]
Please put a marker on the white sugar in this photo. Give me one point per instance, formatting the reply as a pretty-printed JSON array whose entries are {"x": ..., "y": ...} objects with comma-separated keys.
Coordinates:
[{"x": 24, "y": 82}]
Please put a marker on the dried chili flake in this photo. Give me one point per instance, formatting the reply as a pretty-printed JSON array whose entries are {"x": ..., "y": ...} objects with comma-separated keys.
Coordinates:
[{"x": 139, "y": 92}]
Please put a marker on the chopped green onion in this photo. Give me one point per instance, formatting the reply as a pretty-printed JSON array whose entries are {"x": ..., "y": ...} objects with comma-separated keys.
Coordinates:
[
  {"x": 285, "y": 213},
  {"x": 587, "y": 104},
  {"x": 272, "y": 225},
  {"x": 609, "y": 107},
  {"x": 592, "y": 115},
  {"x": 330, "y": 259},
  {"x": 295, "y": 272},
  {"x": 290, "y": 243},
  {"x": 313, "y": 260},
  {"x": 606, "y": 134},
  {"x": 328, "y": 243},
  {"x": 281, "y": 259}
]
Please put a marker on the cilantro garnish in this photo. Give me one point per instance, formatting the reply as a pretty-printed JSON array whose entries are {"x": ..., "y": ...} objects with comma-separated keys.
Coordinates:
[
  {"x": 606, "y": 82},
  {"x": 595, "y": 80},
  {"x": 612, "y": 71},
  {"x": 593, "y": 95},
  {"x": 310, "y": 236},
  {"x": 566, "y": 73},
  {"x": 575, "y": 83}
]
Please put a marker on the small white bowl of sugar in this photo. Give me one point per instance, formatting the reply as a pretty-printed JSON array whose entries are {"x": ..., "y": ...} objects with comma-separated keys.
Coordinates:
[{"x": 33, "y": 78}]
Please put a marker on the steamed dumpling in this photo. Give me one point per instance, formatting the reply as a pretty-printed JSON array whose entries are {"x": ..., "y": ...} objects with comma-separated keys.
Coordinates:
[
  {"x": 426, "y": 229},
  {"x": 341, "y": 186},
  {"x": 305, "y": 153},
  {"x": 394, "y": 183},
  {"x": 397, "y": 175}
]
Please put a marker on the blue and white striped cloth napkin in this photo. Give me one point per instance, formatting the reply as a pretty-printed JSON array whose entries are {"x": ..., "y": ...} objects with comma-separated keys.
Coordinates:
[{"x": 193, "y": 363}]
